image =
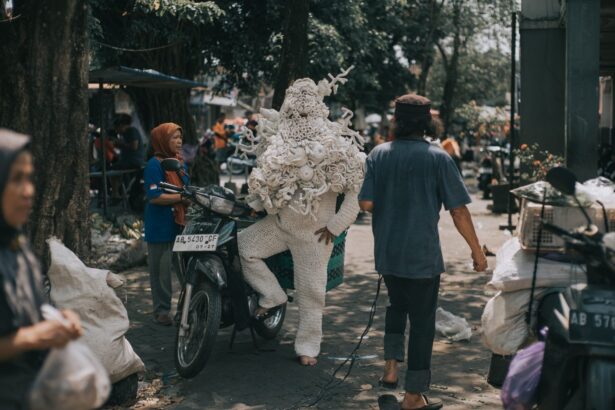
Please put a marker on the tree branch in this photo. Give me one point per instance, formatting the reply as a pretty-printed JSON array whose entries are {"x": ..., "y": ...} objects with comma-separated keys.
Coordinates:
[{"x": 443, "y": 54}]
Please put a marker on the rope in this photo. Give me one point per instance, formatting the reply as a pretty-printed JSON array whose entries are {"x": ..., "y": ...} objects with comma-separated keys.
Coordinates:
[
  {"x": 10, "y": 19},
  {"x": 137, "y": 50},
  {"x": 333, "y": 383}
]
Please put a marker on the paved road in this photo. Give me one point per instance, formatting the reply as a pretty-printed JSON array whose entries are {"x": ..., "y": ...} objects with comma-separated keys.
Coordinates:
[{"x": 244, "y": 379}]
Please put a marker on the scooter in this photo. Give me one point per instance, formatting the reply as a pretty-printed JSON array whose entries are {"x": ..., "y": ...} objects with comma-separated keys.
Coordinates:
[
  {"x": 485, "y": 176},
  {"x": 238, "y": 164},
  {"x": 579, "y": 362},
  {"x": 214, "y": 294}
]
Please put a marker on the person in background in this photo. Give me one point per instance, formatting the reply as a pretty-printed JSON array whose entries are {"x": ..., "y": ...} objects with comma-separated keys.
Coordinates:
[
  {"x": 132, "y": 151},
  {"x": 130, "y": 143},
  {"x": 451, "y": 146},
  {"x": 220, "y": 139},
  {"x": 406, "y": 183},
  {"x": 110, "y": 155},
  {"x": 165, "y": 216},
  {"x": 252, "y": 124},
  {"x": 25, "y": 337}
]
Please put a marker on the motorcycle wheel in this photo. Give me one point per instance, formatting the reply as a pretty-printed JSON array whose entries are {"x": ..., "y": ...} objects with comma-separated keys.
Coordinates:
[
  {"x": 194, "y": 348},
  {"x": 233, "y": 168},
  {"x": 269, "y": 328}
]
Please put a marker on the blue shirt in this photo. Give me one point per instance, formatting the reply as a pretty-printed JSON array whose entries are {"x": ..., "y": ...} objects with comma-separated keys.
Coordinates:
[
  {"x": 159, "y": 220},
  {"x": 408, "y": 181}
]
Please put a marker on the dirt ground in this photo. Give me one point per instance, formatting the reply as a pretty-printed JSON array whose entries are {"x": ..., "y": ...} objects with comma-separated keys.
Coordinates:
[{"x": 243, "y": 378}]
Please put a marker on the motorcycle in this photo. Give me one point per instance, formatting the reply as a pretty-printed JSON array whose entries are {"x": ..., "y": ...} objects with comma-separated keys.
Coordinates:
[
  {"x": 579, "y": 362},
  {"x": 485, "y": 176},
  {"x": 237, "y": 164},
  {"x": 214, "y": 294}
]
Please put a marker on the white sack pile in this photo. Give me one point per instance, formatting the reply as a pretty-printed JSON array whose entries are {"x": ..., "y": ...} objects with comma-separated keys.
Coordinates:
[
  {"x": 503, "y": 320},
  {"x": 90, "y": 293}
]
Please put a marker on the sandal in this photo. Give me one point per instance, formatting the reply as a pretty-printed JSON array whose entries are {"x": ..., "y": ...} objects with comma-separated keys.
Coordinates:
[
  {"x": 270, "y": 312},
  {"x": 388, "y": 402},
  {"x": 432, "y": 404},
  {"x": 388, "y": 385}
]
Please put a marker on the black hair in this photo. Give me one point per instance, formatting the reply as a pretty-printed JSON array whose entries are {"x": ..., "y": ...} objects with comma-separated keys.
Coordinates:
[
  {"x": 122, "y": 119},
  {"x": 406, "y": 128}
]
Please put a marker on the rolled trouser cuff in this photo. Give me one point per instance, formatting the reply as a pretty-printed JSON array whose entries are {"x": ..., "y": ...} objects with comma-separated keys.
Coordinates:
[
  {"x": 394, "y": 347},
  {"x": 276, "y": 297},
  {"x": 418, "y": 381}
]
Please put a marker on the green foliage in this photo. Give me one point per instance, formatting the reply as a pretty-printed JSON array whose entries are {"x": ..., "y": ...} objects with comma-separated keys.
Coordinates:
[
  {"x": 484, "y": 77},
  {"x": 239, "y": 42}
]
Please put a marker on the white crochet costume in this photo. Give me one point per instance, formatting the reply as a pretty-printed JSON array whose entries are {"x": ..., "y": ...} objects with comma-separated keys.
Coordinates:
[{"x": 304, "y": 161}]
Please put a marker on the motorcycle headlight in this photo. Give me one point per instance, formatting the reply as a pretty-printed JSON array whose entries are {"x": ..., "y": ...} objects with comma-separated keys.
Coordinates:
[
  {"x": 203, "y": 200},
  {"x": 221, "y": 205}
]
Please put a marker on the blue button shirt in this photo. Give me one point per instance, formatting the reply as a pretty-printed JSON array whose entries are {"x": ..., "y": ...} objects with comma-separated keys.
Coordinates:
[
  {"x": 408, "y": 181},
  {"x": 159, "y": 221}
]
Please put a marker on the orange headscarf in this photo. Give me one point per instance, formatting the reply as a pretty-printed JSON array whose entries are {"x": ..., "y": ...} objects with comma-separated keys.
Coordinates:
[{"x": 161, "y": 142}]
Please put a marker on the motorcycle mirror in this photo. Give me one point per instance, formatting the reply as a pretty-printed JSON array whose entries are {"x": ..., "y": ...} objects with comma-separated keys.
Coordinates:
[
  {"x": 170, "y": 164},
  {"x": 563, "y": 180}
]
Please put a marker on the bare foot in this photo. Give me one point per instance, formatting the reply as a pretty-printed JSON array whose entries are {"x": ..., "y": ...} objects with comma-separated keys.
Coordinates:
[
  {"x": 390, "y": 371},
  {"x": 413, "y": 401},
  {"x": 260, "y": 312},
  {"x": 307, "y": 361}
]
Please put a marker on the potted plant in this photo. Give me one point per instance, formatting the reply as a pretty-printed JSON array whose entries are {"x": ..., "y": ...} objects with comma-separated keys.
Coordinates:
[{"x": 535, "y": 163}]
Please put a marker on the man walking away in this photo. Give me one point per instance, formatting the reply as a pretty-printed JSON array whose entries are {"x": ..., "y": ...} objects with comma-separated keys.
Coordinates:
[{"x": 406, "y": 183}]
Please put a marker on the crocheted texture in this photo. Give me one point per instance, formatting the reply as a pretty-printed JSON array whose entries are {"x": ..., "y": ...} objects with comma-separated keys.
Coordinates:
[
  {"x": 303, "y": 162},
  {"x": 301, "y": 154},
  {"x": 290, "y": 231}
]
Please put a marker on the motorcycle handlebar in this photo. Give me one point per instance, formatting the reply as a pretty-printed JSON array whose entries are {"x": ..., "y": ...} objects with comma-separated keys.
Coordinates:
[{"x": 170, "y": 187}]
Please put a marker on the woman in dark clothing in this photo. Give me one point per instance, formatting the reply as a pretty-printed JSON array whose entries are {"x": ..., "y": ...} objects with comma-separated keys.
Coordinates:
[{"x": 24, "y": 336}]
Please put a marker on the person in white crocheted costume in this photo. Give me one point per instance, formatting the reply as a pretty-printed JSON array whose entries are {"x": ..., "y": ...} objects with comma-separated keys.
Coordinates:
[{"x": 304, "y": 162}]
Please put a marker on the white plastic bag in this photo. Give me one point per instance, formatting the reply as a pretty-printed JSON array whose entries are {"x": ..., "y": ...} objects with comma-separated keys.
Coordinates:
[
  {"x": 453, "y": 327},
  {"x": 72, "y": 378}
]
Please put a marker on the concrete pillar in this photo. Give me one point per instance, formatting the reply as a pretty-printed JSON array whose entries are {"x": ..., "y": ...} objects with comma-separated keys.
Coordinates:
[
  {"x": 543, "y": 51},
  {"x": 582, "y": 83}
]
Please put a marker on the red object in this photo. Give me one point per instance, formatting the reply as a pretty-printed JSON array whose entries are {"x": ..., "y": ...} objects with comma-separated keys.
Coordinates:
[{"x": 109, "y": 149}]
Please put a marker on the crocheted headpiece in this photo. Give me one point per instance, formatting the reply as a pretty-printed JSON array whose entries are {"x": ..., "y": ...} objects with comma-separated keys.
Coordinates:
[{"x": 301, "y": 154}]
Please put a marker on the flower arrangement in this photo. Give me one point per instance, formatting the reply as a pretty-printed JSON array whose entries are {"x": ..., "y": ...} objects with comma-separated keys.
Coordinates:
[{"x": 535, "y": 163}]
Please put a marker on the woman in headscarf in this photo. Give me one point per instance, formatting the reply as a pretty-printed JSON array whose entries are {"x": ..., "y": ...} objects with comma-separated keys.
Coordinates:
[
  {"x": 24, "y": 336},
  {"x": 164, "y": 216}
]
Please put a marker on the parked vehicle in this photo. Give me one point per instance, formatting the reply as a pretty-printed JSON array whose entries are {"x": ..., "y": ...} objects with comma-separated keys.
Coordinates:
[
  {"x": 214, "y": 294},
  {"x": 485, "y": 175},
  {"x": 238, "y": 164},
  {"x": 579, "y": 362}
]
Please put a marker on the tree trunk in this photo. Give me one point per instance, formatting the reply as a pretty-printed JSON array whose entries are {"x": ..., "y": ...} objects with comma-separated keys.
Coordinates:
[
  {"x": 156, "y": 106},
  {"x": 425, "y": 68},
  {"x": 452, "y": 70},
  {"x": 293, "y": 63},
  {"x": 428, "y": 47},
  {"x": 43, "y": 93}
]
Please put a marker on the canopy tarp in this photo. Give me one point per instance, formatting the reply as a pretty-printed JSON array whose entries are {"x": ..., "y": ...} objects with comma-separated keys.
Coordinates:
[{"x": 133, "y": 77}]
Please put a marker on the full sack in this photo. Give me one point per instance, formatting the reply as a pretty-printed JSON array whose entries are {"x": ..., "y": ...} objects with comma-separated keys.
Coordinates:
[{"x": 104, "y": 318}]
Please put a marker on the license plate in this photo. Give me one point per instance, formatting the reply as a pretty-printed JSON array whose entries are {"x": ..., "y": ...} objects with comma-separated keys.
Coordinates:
[
  {"x": 590, "y": 327},
  {"x": 195, "y": 243}
]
